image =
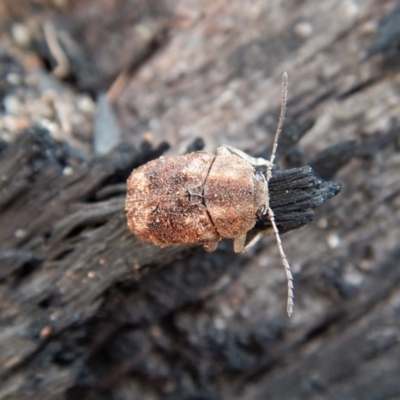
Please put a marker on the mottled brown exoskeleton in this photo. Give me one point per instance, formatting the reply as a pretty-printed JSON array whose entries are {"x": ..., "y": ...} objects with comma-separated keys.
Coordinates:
[{"x": 201, "y": 198}]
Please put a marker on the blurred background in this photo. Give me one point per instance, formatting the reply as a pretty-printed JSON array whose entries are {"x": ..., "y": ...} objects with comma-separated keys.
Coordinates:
[{"x": 91, "y": 89}]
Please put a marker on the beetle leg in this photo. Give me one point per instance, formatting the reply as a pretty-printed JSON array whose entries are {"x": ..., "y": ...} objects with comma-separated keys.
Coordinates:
[
  {"x": 211, "y": 246},
  {"x": 239, "y": 243},
  {"x": 256, "y": 162},
  {"x": 254, "y": 240}
]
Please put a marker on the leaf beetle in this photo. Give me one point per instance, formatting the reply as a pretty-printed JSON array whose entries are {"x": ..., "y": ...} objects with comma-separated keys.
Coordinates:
[{"x": 201, "y": 198}]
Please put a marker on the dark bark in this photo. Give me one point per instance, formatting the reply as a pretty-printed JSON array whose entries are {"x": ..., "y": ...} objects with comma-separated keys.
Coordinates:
[{"x": 65, "y": 245}]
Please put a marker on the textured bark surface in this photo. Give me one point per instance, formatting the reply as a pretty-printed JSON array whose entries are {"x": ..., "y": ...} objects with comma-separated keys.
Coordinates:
[{"x": 84, "y": 317}]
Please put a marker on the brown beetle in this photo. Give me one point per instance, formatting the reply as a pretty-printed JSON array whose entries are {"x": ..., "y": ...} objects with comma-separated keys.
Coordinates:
[{"x": 201, "y": 198}]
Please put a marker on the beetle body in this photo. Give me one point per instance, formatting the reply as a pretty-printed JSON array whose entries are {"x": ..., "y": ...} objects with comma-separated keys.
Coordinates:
[
  {"x": 201, "y": 198},
  {"x": 197, "y": 198}
]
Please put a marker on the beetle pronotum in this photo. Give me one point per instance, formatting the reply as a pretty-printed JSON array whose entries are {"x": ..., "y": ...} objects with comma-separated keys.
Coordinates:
[{"x": 201, "y": 198}]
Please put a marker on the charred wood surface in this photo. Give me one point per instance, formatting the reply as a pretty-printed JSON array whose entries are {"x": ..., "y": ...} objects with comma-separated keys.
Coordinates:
[{"x": 65, "y": 245}]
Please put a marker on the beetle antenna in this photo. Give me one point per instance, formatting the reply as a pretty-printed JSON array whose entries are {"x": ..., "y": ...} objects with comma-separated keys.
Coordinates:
[
  {"x": 285, "y": 83},
  {"x": 289, "y": 277},
  {"x": 289, "y": 306}
]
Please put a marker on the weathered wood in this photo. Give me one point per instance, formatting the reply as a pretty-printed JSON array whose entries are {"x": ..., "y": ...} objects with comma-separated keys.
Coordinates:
[{"x": 213, "y": 326}]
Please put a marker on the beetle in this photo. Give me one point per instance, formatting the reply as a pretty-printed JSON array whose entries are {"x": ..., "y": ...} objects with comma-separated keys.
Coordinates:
[{"x": 201, "y": 198}]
